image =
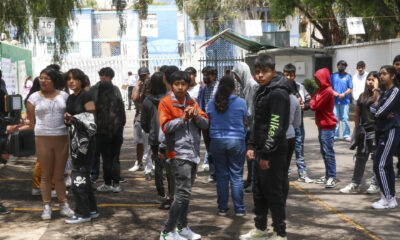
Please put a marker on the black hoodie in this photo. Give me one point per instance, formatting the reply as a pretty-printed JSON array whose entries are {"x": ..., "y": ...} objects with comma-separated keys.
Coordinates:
[
  {"x": 149, "y": 118},
  {"x": 271, "y": 117}
]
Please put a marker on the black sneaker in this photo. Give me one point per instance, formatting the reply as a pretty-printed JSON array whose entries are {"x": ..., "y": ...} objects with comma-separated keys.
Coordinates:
[
  {"x": 3, "y": 210},
  {"x": 249, "y": 188},
  {"x": 165, "y": 205},
  {"x": 148, "y": 176},
  {"x": 246, "y": 183},
  {"x": 223, "y": 212}
]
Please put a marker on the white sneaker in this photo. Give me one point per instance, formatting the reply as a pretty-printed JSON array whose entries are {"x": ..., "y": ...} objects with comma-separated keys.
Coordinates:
[
  {"x": 36, "y": 192},
  {"x": 46, "y": 214},
  {"x": 105, "y": 188},
  {"x": 255, "y": 234},
  {"x": 187, "y": 233},
  {"x": 66, "y": 211},
  {"x": 351, "y": 188},
  {"x": 385, "y": 203},
  {"x": 77, "y": 220},
  {"x": 171, "y": 236},
  {"x": 276, "y": 237},
  {"x": 331, "y": 183},
  {"x": 135, "y": 167},
  {"x": 116, "y": 189},
  {"x": 303, "y": 177},
  {"x": 68, "y": 181},
  {"x": 206, "y": 167},
  {"x": 321, "y": 180},
  {"x": 373, "y": 189}
]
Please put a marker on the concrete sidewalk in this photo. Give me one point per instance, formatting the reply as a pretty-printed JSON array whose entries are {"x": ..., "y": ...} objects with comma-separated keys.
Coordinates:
[{"x": 313, "y": 212}]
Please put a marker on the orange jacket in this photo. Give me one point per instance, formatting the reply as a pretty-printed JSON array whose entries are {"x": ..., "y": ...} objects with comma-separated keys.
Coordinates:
[{"x": 182, "y": 139}]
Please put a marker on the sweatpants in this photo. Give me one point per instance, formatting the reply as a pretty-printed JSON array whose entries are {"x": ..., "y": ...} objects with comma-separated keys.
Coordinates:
[
  {"x": 291, "y": 144},
  {"x": 268, "y": 193},
  {"x": 185, "y": 174},
  {"x": 52, "y": 154},
  {"x": 387, "y": 144}
]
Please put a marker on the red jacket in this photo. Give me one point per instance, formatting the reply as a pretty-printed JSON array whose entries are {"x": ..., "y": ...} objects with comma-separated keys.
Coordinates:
[{"x": 323, "y": 102}]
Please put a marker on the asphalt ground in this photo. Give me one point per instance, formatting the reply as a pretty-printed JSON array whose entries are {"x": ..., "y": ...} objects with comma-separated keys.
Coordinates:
[{"x": 313, "y": 212}]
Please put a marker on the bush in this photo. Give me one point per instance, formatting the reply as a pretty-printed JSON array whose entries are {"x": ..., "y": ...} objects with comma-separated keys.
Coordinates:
[{"x": 310, "y": 85}]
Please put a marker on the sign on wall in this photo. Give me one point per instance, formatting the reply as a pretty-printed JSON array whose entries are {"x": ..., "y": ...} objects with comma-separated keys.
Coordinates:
[
  {"x": 46, "y": 27},
  {"x": 150, "y": 26},
  {"x": 8, "y": 75}
]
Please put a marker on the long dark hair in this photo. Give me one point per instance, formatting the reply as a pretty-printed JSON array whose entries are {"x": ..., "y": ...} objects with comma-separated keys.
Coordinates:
[
  {"x": 367, "y": 97},
  {"x": 110, "y": 112},
  {"x": 35, "y": 87},
  {"x": 78, "y": 75},
  {"x": 225, "y": 89},
  {"x": 157, "y": 85}
]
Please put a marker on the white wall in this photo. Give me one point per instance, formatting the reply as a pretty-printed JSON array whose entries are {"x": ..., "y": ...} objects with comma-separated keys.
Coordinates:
[
  {"x": 281, "y": 61},
  {"x": 374, "y": 54}
]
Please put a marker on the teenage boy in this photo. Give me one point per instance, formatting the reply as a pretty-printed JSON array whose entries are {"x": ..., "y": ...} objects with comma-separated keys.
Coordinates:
[
  {"x": 342, "y": 85},
  {"x": 359, "y": 80},
  {"x": 143, "y": 151},
  {"x": 194, "y": 87},
  {"x": 207, "y": 92},
  {"x": 268, "y": 146},
  {"x": 323, "y": 103},
  {"x": 106, "y": 74},
  {"x": 181, "y": 120},
  {"x": 304, "y": 98}
]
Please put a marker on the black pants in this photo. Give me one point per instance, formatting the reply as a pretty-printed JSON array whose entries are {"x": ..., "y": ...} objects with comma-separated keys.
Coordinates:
[
  {"x": 130, "y": 90},
  {"x": 207, "y": 140},
  {"x": 95, "y": 167},
  {"x": 268, "y": 193},
  {"x": 158, "y": 171},
  {"x": 290, "y": 149},
  {"x": 85, "y": 201},
  {"x": 110, "y": 148}
]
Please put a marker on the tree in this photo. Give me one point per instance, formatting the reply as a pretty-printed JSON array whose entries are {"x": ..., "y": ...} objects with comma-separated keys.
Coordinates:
[
  {"x": 216, "y": 12},
  {"x": 141, "y": 6},
  {"x": 324, "y": 16},
  {"x": 20, "y": 18}
]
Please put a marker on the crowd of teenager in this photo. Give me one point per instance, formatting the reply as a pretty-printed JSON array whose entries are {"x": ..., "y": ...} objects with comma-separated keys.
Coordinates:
[{"x": 242, "y": 118}]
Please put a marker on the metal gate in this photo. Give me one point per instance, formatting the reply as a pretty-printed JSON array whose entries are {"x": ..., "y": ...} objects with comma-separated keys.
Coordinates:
[{"x": 222, "y": 64}]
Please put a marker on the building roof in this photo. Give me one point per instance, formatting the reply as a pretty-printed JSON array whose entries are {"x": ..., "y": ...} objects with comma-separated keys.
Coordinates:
[{"x": 238, "y": 40}]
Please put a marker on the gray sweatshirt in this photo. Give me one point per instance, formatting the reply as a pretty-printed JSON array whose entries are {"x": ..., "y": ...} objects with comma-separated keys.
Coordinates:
[{"x": 295, "y": 116}]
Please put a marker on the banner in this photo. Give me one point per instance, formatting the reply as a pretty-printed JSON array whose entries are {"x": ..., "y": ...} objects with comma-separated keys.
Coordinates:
[
  {"x": 253, "y": 27},
  {"x": 8, "y": 75},
  {"x": 355, "y": 25}
]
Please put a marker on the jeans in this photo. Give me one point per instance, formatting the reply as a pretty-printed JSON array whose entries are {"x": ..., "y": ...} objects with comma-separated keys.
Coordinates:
[
  {"x": 299, "y": 149},
  {"x": 207, "y": 140},
  {"x": 341, "y": 112},
  {"x": 110, "y": 149},
  {"x": 326, "y": 141},
  {"x": 268, "y": 193},
  {"x": 361, "y": 161},
  {"x": 229, "y": 156},
  {"x": 130, "y": 91},
  {"x": 185, "y": 174},
  {"x": 387, "y": 145},
  {"x": 285, "y": 187},
  {"x": 85, "y": 201},
  {"x": 158, "y": 171}
]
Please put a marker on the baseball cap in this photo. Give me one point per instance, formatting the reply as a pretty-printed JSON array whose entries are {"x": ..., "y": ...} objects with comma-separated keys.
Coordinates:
[{"x": 143, "y": 71}]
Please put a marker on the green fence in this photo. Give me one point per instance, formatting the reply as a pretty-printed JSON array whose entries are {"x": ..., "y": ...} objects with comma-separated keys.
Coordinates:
[{"x": 16, "y": 65}]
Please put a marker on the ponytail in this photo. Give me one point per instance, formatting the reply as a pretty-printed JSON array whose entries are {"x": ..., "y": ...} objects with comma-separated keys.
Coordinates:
[{"x": 225, "y": 89}]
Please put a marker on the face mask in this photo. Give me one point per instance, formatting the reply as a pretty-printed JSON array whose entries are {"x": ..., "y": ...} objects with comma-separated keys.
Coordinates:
[
  {"x": 341, "y": 70},
  {"x": 206, "y": 80}
]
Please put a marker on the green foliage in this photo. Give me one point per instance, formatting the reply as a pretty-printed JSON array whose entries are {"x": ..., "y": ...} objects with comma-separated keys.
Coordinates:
[
  {"x": 16, "y": 15},
  {"x": 381, "y": 17},
  {"x": 310, "y": 85},
  {"x": 217, "y": 12}
]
